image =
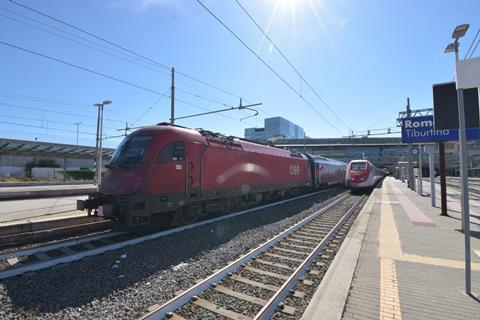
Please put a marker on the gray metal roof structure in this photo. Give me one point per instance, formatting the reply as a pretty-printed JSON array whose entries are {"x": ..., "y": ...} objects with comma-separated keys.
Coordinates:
[
  {"x": 19, "y": 147},
  {"x": 366, "y": 141}
]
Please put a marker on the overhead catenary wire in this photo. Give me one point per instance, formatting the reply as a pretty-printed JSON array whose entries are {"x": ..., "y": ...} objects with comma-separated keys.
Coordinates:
[
  {"x": 46, "y": 128},
  {"x": 381, "y": 120},
  {"x": 207, "y": 84},
  {"x": 100, "y": 50},
  {"x": 202, "y": 97},
  {"x": 50, "y": 121},
  {"x": 471, "y": 45},
  {"x": 206, "y": 109},
  {"x": 8, "y": 95},
  {"x": 150, "y": 107},
  {"x": 141, "y": 56},
  {"x": 268, "y": 66},
  {"x": 152, "y": 68},
  {"x": 50, "y": 135},
  {"x": 105, "y": 75},
  {"x": 89, "y": 33},
  {"x": 475, "y": 48},
  {"x": 291, "y": 65},
  {"x": 179, "y": 73},
  {"x": 53, "y": 111},
  {"x": 79, "y": 67},
  {"x": 30, "y": 98},
  {"x": 72, "y": 34}
]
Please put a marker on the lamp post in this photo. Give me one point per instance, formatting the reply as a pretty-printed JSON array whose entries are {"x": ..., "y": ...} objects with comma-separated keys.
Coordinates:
[
  {"x": 78, "y": 125},
  {"x": 453, "y": 47},
  {"x": 98, "y": 156}
]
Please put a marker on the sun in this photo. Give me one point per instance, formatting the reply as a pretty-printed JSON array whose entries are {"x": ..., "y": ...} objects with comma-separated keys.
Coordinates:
[{"x": 285, "y": 4}]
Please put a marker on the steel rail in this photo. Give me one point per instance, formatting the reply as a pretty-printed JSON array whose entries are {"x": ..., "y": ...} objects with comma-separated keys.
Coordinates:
[
  {"x": 185, "y": 297},
  {"x": 8, "y": 273},
  {"x": 272, "y": 305},
  {"x": 58, "y": 245}
]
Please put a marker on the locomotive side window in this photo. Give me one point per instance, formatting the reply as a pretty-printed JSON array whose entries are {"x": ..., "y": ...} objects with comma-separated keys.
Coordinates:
[
  {"x": 172, "y": 152},
  {"x": 131, "y": 150},
  {"x": 358, "y": 166}
]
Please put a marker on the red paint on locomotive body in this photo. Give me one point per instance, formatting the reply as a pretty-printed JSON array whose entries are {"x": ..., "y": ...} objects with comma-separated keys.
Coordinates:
[
  {"x": 223, "y": 164},
  {"x": 166, "y": 168}
]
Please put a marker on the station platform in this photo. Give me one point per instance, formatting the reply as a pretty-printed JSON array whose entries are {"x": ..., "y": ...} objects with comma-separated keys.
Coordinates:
[
  {"x": 41, "y": 191},
  {"x": 401, "y": 260},
  {"x": 19, "y": 211}
]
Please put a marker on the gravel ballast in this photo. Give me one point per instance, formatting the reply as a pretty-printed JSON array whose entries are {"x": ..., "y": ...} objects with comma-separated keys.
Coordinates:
[{"x": 125, "y": 283}]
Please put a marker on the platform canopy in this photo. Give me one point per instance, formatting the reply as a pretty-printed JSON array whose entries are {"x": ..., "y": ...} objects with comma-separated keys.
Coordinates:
[{"x": 32, "y": 148}]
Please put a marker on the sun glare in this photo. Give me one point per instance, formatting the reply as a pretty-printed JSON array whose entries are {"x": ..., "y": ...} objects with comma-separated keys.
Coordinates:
[{"x": 286, "y": 4}]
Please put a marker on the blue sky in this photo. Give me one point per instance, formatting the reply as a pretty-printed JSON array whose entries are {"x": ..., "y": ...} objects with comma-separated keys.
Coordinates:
[{"x": 364, "y": 57}]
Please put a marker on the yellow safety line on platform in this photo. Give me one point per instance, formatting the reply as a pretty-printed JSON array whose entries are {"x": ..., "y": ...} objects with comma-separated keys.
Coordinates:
[
  {"x": 390, "y": 249},
  {"x": 390, "y": 241}
]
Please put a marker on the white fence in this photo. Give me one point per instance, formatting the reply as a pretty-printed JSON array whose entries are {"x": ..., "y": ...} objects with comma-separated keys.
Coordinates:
[
  {"x": 47, "y": 173},
  {"x": 15, "y": 172}
]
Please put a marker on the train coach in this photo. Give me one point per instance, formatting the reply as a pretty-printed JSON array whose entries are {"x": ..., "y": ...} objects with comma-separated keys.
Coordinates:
[
  {"x": 362, "y": 175},
  {"x": 174, "y": 174}
]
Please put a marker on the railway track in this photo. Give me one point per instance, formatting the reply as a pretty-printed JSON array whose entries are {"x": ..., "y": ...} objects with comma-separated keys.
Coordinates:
[
  {"x": 256, "y": 285},
  {"x": 32, "y": 259},
  {"x": 473, "y": 188},
  {"x": 473, "y": 191}
]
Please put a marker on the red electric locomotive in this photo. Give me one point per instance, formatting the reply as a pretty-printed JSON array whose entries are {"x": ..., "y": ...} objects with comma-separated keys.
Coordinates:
[{"x": 176, "y": 173}]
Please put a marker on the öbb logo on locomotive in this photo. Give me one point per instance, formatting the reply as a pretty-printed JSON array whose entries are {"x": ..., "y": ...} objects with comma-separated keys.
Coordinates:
[{"x": 294, "y": 170}]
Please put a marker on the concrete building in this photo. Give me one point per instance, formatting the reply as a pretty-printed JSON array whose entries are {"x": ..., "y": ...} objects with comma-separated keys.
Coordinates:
[
  {"x": 255, "y": 134},
  {"x": 276, "y": 127}
]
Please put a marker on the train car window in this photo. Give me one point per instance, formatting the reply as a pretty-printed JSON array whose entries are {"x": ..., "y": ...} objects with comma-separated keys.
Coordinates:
[
  {"x": 131, "y": 150},
  {"x": 172, "y": 152},
  {"x": 358, "y": 166}
]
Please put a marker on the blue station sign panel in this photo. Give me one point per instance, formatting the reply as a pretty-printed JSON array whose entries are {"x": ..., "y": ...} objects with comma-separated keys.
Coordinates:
[{"x": 422, "y": 129}]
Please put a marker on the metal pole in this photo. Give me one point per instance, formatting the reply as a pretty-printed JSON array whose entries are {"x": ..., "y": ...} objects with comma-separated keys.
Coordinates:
[
  {"x": 431, "y": 165},
  {"x": 464, "y": 182},
  {"x": 420, "y": 171},
  {"x": 443, "y": 179},
  {"x": 411, "y": 179},
  {"x": 78, "y": 125},
  {"x": 463, "y": 158},
  {"x": 464, "y": 189},
  {"x": 97, "y": 147},
  {"x": 304, "y": 142},
  {"x": 99, "y": 155},
  {"x": 172, "y": 98}
]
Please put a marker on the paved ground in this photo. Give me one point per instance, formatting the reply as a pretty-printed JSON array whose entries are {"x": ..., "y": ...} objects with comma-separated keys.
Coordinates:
[
  {"x": 25, "y": 192},
  {"x": 410, "y": 264},
  {"x": 46, "y": 187},
  {"x": 15, "y": 210}
]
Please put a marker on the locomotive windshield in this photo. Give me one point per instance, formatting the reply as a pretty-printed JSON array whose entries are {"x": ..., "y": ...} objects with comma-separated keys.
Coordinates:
[
  {"x": 130, "y": 151},
  {"x": 358, "y": 166}
]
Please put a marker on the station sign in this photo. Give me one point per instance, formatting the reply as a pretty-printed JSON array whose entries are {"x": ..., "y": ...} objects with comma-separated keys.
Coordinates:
[
  {"x": 422, "y": 129},
  {"x": 445, "y": 106},
  {"x": 467, "y": 73}
]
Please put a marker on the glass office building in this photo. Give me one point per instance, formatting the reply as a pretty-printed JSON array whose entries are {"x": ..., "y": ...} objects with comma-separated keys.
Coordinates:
[{"x": 276, "y": 127}]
